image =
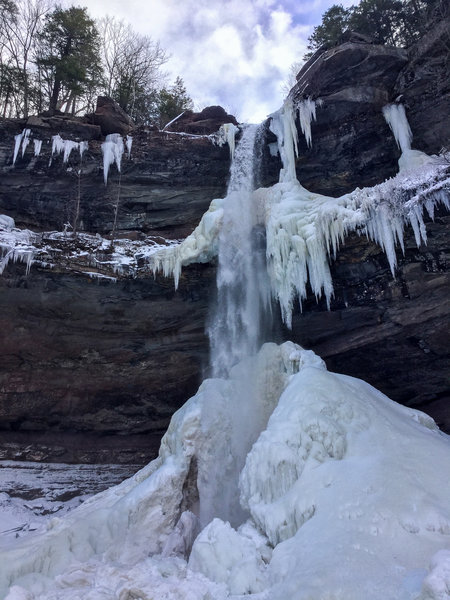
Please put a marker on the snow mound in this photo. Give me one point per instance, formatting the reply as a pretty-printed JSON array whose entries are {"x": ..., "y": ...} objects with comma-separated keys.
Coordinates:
[{"x": 343, "y": 495}]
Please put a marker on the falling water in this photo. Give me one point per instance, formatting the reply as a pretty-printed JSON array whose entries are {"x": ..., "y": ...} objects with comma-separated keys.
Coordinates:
[{"x": 242, "y": 285}]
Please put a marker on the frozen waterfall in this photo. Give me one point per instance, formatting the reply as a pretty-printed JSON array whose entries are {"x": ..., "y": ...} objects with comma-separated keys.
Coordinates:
[
  {"x": 242, "y": 286},
  {"x": 278, "y": 480}
]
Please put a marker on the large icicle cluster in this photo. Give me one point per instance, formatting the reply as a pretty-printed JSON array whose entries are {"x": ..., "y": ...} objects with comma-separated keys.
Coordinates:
[
  {"x": 304, "y": 230},
  {"x": 65, "y": 147},
  {"x": 16, "y": 245},
  {"x": 328, "y": 503}
]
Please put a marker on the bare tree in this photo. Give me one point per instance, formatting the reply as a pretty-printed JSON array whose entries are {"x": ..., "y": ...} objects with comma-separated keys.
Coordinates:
[
  {"x": 19, "y": 36},
  {"x": 132, "y": 65}
]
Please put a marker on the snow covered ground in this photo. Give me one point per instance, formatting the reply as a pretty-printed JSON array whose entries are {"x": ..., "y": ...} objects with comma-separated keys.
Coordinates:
[
  {"x": 31, "y": 493},
  {"x": 344, "y": 495}
]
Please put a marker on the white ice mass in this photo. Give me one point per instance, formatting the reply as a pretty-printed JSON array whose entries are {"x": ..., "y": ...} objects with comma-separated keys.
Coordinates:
[
  {"x": 278, "y": 480},
  {"x": 338, "y": 500}
]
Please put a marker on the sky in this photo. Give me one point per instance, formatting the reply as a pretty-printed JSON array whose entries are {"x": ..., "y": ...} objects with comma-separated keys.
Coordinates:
[{"x": 236, "y": 53}]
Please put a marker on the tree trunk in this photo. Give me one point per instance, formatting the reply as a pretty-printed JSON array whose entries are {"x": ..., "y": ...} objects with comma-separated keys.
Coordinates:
[{"x": 55, "y": 95}]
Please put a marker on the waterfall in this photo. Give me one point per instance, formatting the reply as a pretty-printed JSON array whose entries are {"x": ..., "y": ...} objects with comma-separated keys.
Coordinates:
[{"x": 242, "y": 288}]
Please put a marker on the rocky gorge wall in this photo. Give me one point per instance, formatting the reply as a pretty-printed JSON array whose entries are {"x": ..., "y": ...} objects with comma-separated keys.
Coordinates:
[{"x": 92, "y": 369}]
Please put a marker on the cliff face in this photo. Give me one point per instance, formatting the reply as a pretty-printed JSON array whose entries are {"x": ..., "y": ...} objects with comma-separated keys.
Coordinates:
[
  {"x": 165, "y": 186},
  {"x": 91, "y": 370},
  {"x": 352, "y": 145}
]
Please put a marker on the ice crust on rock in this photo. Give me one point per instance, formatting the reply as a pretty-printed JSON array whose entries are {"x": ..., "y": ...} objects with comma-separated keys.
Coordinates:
[{"x": 336, "y": 501}]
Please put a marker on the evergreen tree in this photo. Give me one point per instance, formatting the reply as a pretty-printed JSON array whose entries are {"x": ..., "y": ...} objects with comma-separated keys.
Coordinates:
[
  {"x": 393, "y": 22},
  {"x": 69, "y": 56},
  {"x": 173, "y": 101},
  {"x": 334, "y": 23}
]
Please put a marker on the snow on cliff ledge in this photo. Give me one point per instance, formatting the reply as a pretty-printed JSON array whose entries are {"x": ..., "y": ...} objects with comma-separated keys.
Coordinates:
[{"x": 332, "y": 491}]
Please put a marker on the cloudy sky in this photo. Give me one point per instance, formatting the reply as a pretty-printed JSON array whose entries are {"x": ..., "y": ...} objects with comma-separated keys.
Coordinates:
[{"x": 236, "y": 53}]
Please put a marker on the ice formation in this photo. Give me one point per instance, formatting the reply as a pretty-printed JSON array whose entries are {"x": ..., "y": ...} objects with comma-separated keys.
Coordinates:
[
  {"x": 337, "y": 500},
  {"x": 112, "y": 150},
  {"x": 307, "y": 114},
  {"x": 129, "y": 143},
  {"x": 21, "y": 139},
  {"x": 16, "y": 245},
  {"x": 227, "y": 135},
  {"x": 37, "y": 147},
  {"x": 65, "y": 147},
  {"x": 396, "y": 119},
  {"x": 304, "y": 229}
]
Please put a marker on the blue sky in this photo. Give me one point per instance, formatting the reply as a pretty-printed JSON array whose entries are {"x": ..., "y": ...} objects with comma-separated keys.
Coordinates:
[{"x": 237, "y": 53}]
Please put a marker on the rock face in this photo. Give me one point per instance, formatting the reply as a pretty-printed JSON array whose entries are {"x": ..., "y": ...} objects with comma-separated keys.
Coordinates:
[
  {"x": 352, "y": 145},
  {"x": 164, "y": 188},
  {"x": 91, "y": 370}
]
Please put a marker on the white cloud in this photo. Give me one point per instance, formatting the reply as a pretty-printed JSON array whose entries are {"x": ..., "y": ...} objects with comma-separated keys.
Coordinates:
[{"x": 228, "y": 52}]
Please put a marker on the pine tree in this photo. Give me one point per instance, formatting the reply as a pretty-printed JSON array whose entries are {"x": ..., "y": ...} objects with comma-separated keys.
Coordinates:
[
  {"x": 173, "y": 101},
  {"x": 69, "y": 56}
]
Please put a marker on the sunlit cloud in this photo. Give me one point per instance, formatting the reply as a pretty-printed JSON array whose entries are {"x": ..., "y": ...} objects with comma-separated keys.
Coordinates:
[{"x": 228, "y": 52}]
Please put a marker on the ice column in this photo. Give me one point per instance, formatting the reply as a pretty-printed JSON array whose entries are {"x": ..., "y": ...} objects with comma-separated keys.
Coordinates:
[
  {"x": 112, "y": 149},
  {"x": 22, "y": 138},
  {"x": 396, "y": 119},
  {"x": 307, "y": 114}
]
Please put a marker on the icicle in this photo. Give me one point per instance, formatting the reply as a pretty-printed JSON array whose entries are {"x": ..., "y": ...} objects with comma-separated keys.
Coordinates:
[
  {"x": 83, "y": 146},
  {"x": 307, "y": 114},
  {"x": 227, "y": 135},
  {"x": 21, "y": 138},
  {"x": 26, "y": 140},
  {"x": 59, "y": 145},
  {"x": 129, "y": 143},
  {"x": 37, "y": 147},
  {"x": 172, "y": 121},
  {"x": 282, "y": 124},
  {"x": 396, "y": 119},
  {"x": 112, "y": 149},
  {"x": 17, "y": 142}
]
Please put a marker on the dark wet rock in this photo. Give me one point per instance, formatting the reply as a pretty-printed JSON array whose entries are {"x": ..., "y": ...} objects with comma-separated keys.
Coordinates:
[
  {"x": 110, "y": 117},
  {"x": 423, "y": 86},
  {"x": 165, "y": 187},
  {"x": 82, "y": 359}
]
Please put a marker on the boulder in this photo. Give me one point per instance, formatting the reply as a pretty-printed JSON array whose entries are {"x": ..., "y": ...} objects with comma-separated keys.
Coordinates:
[
  {"x": 205, "y": 122},
  {"x": 111, "y": 117}
]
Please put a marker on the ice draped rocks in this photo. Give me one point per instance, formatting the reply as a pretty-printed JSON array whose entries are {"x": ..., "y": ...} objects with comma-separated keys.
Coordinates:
[
  {"x": 304, "y": 230},
  {"x": 337, "y": 499}
]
